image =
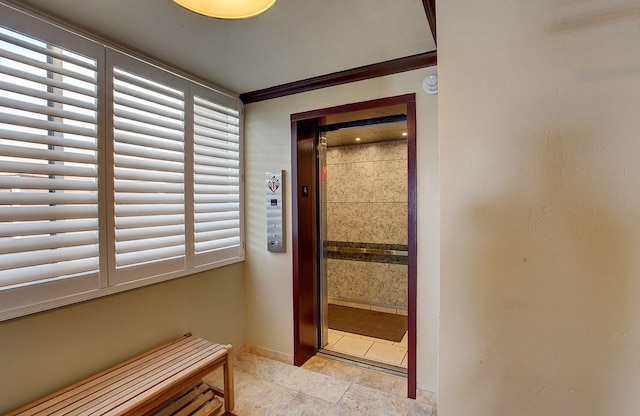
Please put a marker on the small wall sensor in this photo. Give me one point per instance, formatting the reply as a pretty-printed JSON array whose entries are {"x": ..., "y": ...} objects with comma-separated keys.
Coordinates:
[{"x": 430, "y": 83}]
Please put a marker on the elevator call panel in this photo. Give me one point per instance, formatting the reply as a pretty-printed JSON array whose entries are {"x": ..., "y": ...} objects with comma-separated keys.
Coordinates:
[{"x": 275, "y": 211}]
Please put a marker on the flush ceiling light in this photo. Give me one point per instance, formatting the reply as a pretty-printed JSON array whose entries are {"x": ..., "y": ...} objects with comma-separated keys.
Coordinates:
[
  {"x": 227, "y": 9},
  {"x": 430, "y": 84}
]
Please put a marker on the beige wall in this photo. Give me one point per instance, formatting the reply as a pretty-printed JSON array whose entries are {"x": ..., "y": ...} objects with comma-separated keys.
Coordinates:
[
  {"x": 47, "y": 351},
  {"x": 539, "y": 140},
  {"x": 269, "y": 310}
]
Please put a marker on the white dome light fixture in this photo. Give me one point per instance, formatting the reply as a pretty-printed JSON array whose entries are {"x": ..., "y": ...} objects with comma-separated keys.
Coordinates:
[
  {"x": 227, "y": 9},
  {"x": 430, "y": 83}
]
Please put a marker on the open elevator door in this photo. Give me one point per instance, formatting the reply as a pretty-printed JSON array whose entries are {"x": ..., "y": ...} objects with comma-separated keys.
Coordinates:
[
  {"x": 323, "y": 287},
  {"x": 326, "y": 133},
  {"x": 304, "y": 166}
]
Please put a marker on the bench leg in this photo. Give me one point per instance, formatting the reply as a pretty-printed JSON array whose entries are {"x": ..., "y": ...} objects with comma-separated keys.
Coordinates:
[{"x": 228, "y": 381}]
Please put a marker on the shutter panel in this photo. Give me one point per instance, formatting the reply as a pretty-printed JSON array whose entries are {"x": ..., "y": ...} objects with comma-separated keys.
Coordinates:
[
  {"x": 48, "y": 163},
  {"x": 217, "y": 184},
  {"x": 149, "y": 175}
]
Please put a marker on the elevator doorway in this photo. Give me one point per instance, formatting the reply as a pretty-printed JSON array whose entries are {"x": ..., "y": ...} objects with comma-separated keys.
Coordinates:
[
  {"x": 362, "y": 232},
  {"x": 306, "y": 246}
]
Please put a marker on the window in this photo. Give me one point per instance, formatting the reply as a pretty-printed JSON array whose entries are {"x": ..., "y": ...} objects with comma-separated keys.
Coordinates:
[{"x": 113, "y": 173}]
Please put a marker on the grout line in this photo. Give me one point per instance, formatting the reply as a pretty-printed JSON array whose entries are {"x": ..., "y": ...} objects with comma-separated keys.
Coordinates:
[
  {"x": 336, "y": 341},
  {"x": 373, "y": 343},
  {"x": 368, "y": 349},
  {"x": 345, "y": 390},
  {"x": 297, "y": 393}
]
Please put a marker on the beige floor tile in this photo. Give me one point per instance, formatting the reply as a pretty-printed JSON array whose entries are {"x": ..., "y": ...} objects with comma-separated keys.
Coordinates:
[
  {"x": 346, "y": 334},
  {"x": 381, "y": 341},
  {"x": 373, "y": 402},
  {"x": 306, "y": 405},
  {"x": 405, "y": 360},
  {"x": 362, "y": 376},
  {"x": 312, "y": 383},
  {"x": 260, "y": 367},
  {"x": 401, "y": 388},
  {"x": 420, "y": 409},
  {"x": 352, "y": 346},
  {"x": 321, "y": 387},
  {"x": 255, "y": 397},
  {"x": 428, "y": 397},
  {"x": 386, "y": 353},
  {"x": 315, "y": 364},
  {"x": 333, "y": 338}
]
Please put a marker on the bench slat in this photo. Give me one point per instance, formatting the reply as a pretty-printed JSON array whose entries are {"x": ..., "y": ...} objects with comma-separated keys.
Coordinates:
[
  {"x": 209, "y": 409},
  {"x": 144, "y": 383},
  {"x": 139, "y": 375},
  {"x": 196, "y": 404},
  {"x": 38, "y": 405},
  {"x": 182, "y": 401},
  {"x": 113, "y": 380},
  {"x": 143, "y": 389}
]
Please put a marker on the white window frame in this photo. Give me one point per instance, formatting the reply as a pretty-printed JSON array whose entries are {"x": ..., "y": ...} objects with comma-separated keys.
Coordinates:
[{"x": 24, "y": 300}]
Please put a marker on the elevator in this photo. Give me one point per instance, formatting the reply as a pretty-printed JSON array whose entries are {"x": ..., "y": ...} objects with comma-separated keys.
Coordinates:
[
  {"x": 313, "y": 252},
  {"x": 362, "y": 232}
]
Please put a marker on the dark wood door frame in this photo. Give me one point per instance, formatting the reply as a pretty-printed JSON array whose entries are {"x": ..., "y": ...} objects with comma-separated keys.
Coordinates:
[{"x": 304, "y": 233}]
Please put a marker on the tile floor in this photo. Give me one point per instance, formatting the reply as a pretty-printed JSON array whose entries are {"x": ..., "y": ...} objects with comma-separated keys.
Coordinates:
[
  {"x": 320, "y": 387},
  {"x": 376, "y": 349}
]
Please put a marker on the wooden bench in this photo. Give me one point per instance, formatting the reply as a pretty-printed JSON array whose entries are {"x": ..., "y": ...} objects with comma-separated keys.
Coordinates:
[{"x": 164, "y": 381}]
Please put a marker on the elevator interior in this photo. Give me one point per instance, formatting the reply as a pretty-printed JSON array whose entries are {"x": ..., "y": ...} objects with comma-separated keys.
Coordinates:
[{"x": 362, "y": 228}]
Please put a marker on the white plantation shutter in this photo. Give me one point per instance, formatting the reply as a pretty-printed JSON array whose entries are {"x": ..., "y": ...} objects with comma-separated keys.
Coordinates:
[
  {"x": 217, "y": 181},
  {"x": 114, "y": 173},
  {"x": 49, "y": 222},
  {"x": 149, "y": 172}
]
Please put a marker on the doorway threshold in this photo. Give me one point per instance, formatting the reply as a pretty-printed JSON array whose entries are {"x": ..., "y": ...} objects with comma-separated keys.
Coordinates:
[{"x": 368, "y": 364}]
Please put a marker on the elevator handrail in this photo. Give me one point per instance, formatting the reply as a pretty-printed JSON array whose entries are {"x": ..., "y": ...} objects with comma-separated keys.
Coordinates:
[{"x": 363, "y": 250}]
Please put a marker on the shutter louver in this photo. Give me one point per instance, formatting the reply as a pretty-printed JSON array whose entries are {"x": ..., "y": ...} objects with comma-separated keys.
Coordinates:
[
  {"x": 148, "y": 119},
  {"x": 48, "y": 163},
  {"x": 216, "y": 151}
]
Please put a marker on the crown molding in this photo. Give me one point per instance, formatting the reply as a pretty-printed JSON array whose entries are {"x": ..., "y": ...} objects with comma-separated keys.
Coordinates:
[
  {"x": 430, "y": 11},
  {"x": 394, "y": 66}
]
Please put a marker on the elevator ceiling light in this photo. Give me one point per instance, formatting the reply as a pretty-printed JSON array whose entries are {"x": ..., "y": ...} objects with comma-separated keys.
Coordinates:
[{"x": 227, "y": 9}]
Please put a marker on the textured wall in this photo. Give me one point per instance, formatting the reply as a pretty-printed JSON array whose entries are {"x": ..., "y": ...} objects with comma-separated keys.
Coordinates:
[
  {"x": 367, "y": 203},
  {"x": 539, "y": 142},
  {"x": 367, "y": 193},
  {"x": 373, "y": 283}
]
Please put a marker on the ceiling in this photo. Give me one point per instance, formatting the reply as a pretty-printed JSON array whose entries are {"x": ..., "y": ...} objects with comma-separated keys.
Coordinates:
[
  {"x": 372, "y": 133},
  {"x": 367, "y": 134},
  {"x": 293, "y": 41}
]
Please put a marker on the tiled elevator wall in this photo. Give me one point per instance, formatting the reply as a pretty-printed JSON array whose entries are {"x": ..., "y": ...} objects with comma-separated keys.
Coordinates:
[{"x": 367, "y": 203}]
